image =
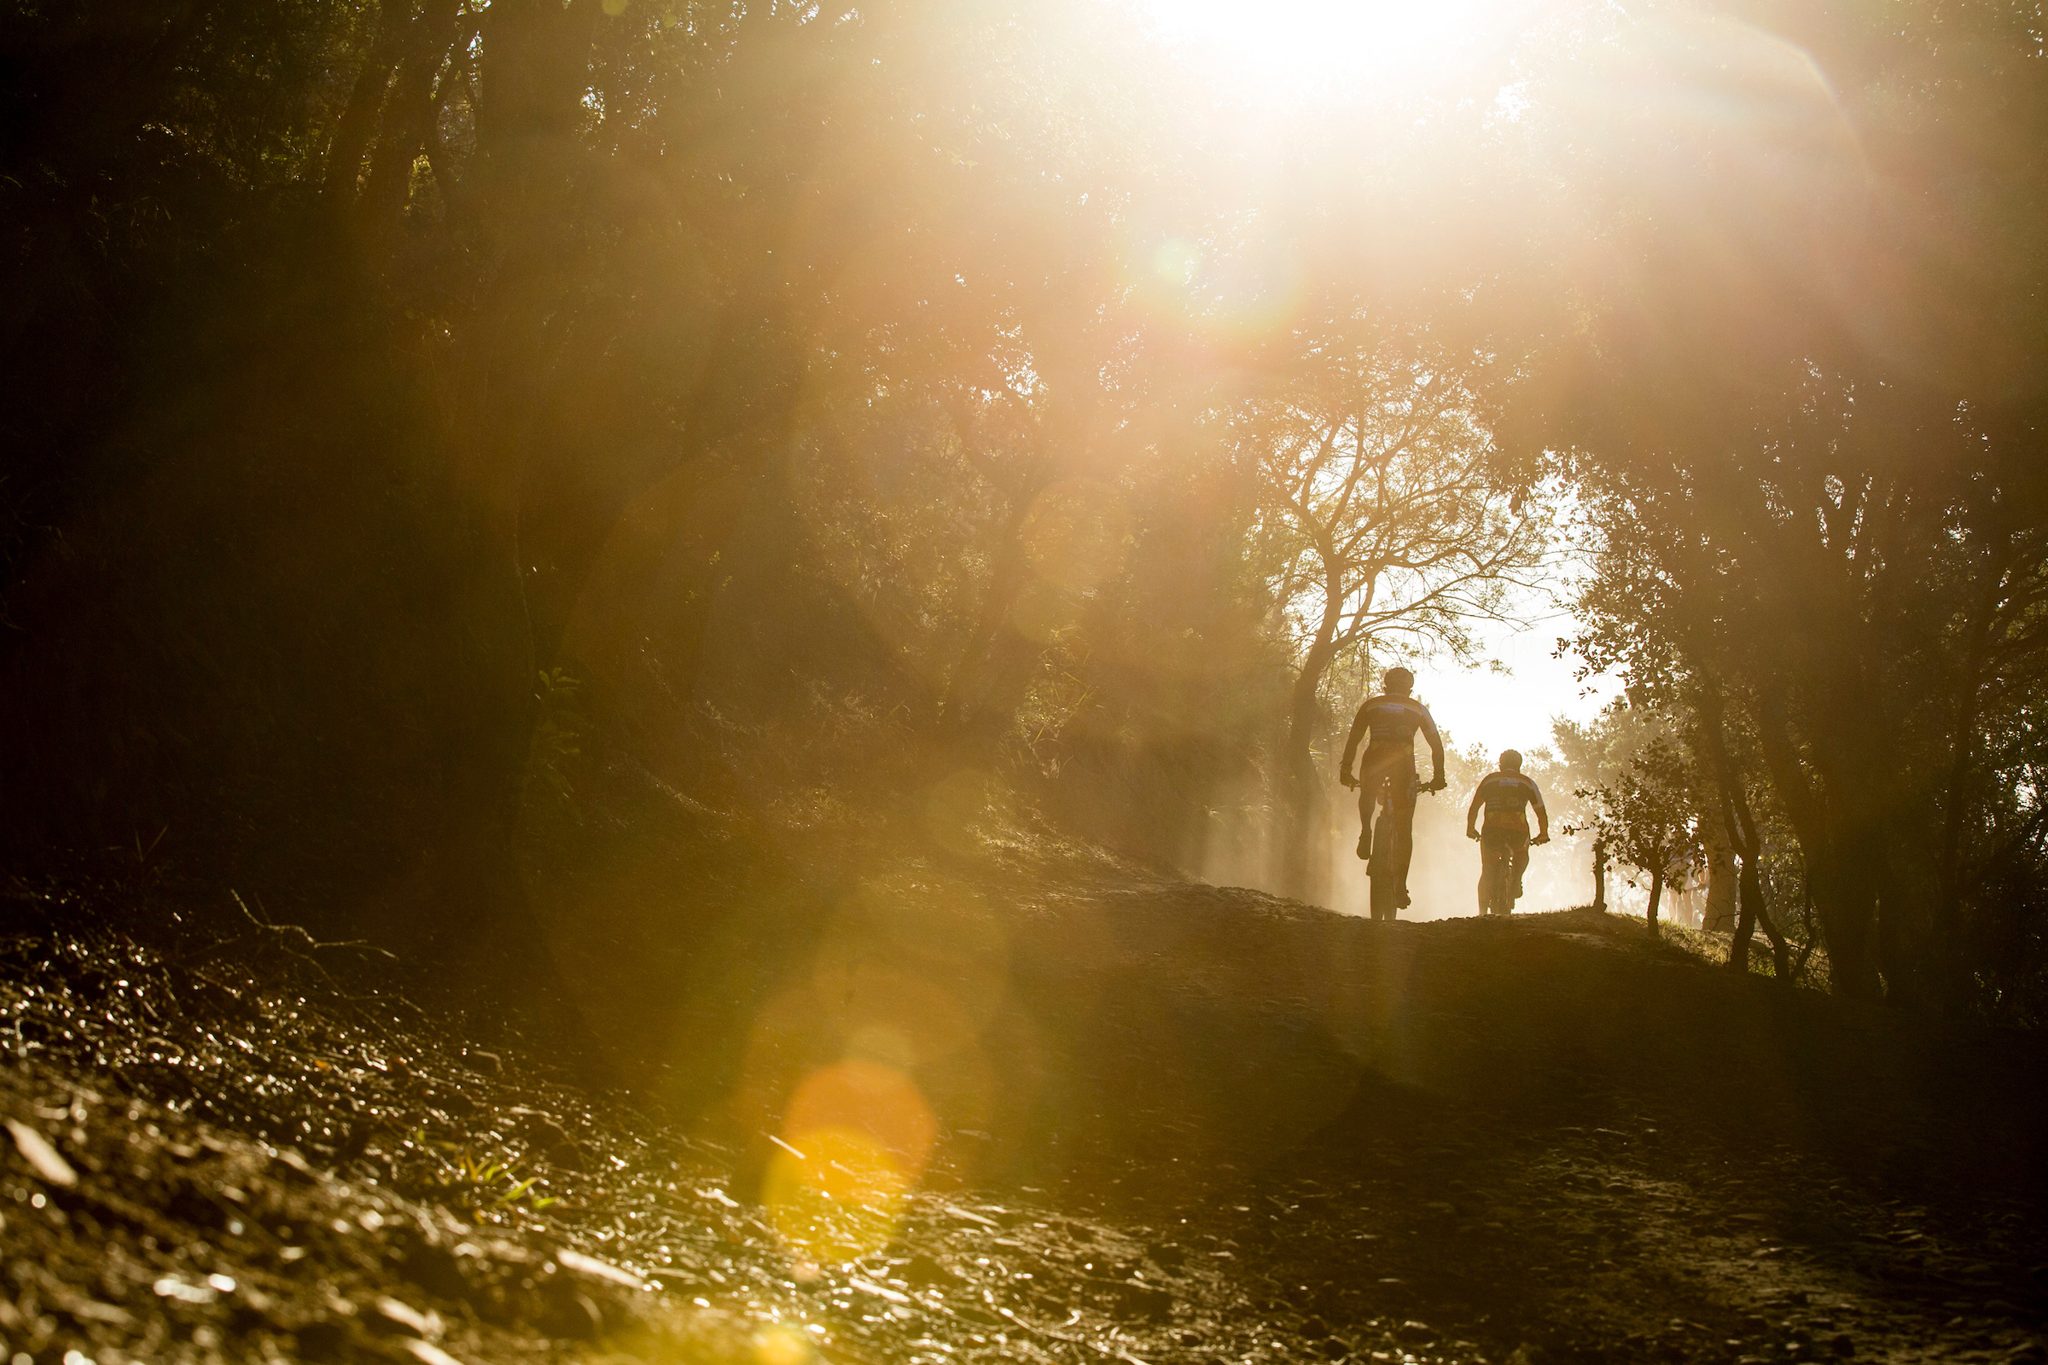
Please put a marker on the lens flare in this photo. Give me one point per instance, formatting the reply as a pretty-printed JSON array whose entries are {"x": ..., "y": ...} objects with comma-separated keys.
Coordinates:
[
  {"x": 854, "y": 1143},
  {"x": 779, "y": 1345},
  {"x": 1224, "y": 294}
]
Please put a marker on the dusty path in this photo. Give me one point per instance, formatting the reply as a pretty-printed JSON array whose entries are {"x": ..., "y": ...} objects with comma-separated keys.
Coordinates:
[{"x": 1166, "y": 1123}]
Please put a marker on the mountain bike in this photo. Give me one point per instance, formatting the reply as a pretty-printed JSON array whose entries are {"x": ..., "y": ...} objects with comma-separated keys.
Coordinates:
[
  {"x": 1498, "y": 883},
  {"x": 1393, "y": 843}
]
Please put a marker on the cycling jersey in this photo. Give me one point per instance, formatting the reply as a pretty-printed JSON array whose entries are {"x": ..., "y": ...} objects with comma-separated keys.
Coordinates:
[
  {"x": 1506, "y": 797},
  {"x": 1388, "y": 724},
  {"x": 1393, "y": 720}
]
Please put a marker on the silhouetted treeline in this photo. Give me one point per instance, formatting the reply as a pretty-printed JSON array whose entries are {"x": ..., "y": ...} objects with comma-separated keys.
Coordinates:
[
  {"x": 1808, "y": 427},
  {"x": 407, "y": 401}
]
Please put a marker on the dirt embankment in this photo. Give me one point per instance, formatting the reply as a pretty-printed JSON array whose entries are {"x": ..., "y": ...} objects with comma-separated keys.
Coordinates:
[{"x": 1100, "y": 1119}]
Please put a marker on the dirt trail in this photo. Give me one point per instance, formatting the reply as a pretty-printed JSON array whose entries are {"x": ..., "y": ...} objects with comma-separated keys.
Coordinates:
[{"x": 1169, "y": 1123}]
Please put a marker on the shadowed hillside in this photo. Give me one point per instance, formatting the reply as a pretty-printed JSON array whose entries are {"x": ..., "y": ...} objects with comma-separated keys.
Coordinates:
[{"x": 1095, "y": 1116}]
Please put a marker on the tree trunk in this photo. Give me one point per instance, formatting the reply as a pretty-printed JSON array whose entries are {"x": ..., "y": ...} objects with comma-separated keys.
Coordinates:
[
  {"x": 1721, "y": 873},
  {"x": 1745, "y": 921},
  {"x": 1829, "y": 783},
  {"x": 1300, "y": 867},
  {"x": 1753, "y": 910},
  {"x": 1600, "y": 875},
  {"x": 1845, "y": 898},
  {"x": 992, "y": 672},
  {"x": 1656, "y": 895},
  {"x": 1304, "y": 869},
  {"x": 1304, "y": 872},
  {"x": 1951, "y": 979},
  {"x": 359, "y": 117},
  {"x": 1755, "y": 913},
  {"x": 1760, "y": 914},
  {"x": 536, "y": 68},
  {"x": 534, "y": 73},
  {"x": 408, "y": 112},
  {"x": 1733, "y": 828},
  {"x": 1304, "y": 865}
]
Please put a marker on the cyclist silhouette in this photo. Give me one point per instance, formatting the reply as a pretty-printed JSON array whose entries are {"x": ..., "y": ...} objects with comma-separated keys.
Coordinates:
[
  {"x": 1386, "y": 784},
  {"x": 1504, "y": 843}
]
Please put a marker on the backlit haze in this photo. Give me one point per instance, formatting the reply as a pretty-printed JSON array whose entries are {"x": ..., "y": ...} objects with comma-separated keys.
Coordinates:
[
  {"x": 1278, "y": 52},
  {"x": 1518, "y": 687},
  {"x": 1324, "y": 91}
]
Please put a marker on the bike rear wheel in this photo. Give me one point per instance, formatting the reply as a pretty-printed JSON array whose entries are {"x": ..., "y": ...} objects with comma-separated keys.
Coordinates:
[
  {"x": 1386, "y": 894},
  {"x": 1392, "y": 844},
  {"x": 1496, "y": 877}
]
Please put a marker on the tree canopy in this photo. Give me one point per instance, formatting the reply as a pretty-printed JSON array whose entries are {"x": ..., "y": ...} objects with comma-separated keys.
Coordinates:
[{"x": 420, "y": 413}]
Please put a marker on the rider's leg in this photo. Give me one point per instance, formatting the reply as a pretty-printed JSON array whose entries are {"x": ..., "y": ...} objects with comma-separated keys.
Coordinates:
[
  {"x": 1521, "y": 864},
  {"x": 1372, "y": 819}
]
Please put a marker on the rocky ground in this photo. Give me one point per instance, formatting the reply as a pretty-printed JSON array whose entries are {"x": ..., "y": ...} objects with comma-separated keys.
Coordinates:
[{"x": 1167, "y": 1123}]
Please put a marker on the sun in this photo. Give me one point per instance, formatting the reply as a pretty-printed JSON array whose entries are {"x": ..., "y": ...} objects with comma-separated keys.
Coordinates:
[{"x": 1284, "y": 50}]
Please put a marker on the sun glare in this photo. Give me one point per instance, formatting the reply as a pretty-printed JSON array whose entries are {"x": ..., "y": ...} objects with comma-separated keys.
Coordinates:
[{"x": 1278, "y": 50}]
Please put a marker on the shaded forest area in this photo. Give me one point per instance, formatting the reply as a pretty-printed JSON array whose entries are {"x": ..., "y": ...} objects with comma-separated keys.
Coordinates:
[{"x": 450, "y": 446}]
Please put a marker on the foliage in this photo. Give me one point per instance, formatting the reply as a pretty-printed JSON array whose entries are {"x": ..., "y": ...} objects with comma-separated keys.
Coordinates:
[
  {"x": 1647, "y": 816},
  {"x": 481, "y": 1183},
  {"x": 1380, "y": 511},
  {"x": 988, "y": 409},
  {"x": 1820, "y": 507}
]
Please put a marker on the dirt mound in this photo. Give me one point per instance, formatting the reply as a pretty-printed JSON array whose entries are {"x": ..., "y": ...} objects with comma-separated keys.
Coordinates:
[{"x": 1158, "y": 1122}]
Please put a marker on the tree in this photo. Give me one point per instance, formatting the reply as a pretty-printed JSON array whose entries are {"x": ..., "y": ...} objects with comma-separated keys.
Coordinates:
[
  {"x": 1382, "y": 517},
  {"x": 1647, "y": 819},
  {"x": 1814, "y": 499}
]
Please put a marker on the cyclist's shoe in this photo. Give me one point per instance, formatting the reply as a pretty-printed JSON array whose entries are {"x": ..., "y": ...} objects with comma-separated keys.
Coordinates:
[
  {"x": 1364, "y": 848},
  {"x": 1401, "y": 901}
]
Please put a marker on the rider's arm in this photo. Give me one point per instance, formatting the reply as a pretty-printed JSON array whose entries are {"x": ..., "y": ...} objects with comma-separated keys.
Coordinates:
[
  {"x": 1351, "y": 745},
  {"x": 1436, "y": 747},
  {"x": 1542, "y": 815},
  {"x": 1472, "y": 813}
]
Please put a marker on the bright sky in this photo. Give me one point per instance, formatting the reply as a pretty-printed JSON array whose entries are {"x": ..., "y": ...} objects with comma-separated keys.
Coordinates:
[
  {"x": 1280, "y": 46},
  {"x": 1511, "y": 710}
]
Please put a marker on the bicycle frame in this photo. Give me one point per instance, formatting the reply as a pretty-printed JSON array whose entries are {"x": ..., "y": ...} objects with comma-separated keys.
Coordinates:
[{"x": 1393, "y": 842}]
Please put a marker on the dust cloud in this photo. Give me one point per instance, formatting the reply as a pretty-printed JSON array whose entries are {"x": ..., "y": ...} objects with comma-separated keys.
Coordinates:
[
  {"x": 1444, "y": 876},
  {"x": 1443, "y": 879}
]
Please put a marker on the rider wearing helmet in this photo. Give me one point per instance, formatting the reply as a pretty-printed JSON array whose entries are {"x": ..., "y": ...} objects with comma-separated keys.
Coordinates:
[
  {"x": 1505, "y": 795},
  {"x": 1386, "y": 777}
]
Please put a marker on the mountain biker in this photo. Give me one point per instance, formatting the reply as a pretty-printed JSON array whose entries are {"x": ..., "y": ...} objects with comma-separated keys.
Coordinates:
[
  {"x": 1386, "y": 776},
  {"x": 1506, "y": 794}
]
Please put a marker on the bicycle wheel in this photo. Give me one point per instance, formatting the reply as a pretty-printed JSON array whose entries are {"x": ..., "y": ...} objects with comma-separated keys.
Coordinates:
[
  {"x": 1386, "y": 891},
  {"x": 1494, "y": 899},
  {"x": 1389, "y": 870}
]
